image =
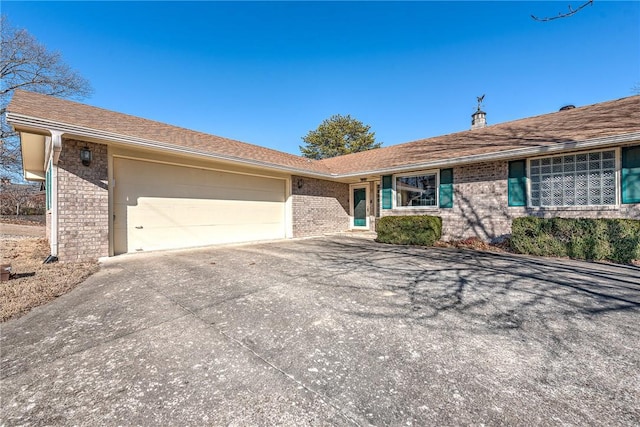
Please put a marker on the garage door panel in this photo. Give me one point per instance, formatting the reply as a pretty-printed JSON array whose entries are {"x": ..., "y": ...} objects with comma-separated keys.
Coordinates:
[
  {"x": 138, "y": 188},
  {"x": 162, "y": 212},
  {"x": 160, "y": 206},
  {"x": 173, "y": 237}
]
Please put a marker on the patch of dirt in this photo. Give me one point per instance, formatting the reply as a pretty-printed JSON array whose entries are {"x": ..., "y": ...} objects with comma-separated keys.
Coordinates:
[
  {"x": 33, "y": 283},
  {"x": 14, "y": 230},
  {"x": 20, "y": 221}
]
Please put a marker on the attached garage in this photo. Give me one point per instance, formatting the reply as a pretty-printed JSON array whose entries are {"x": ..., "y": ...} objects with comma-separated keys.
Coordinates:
[{"x": 167, "y": 206}]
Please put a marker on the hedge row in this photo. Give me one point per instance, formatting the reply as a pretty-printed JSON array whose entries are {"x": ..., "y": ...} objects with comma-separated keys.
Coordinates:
[
  {"x": 616, "y": 240},
  {"x": 421, "y": 230}
]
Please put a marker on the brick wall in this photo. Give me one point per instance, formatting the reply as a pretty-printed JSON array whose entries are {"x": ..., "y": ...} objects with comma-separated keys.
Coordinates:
[
  {"x": 481, "y": 205},
  {"x": 319, "y": 206},
  {"x": 83, "y": 203},
  {"x": 631, "y": 211}
]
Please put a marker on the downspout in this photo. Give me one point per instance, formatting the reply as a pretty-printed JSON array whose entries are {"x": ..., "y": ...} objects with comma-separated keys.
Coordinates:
[{"x": 54, "y": 149}]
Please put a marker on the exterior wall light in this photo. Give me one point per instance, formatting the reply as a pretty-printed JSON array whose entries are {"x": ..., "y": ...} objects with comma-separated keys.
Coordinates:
[{"x": 85, "y": 156}]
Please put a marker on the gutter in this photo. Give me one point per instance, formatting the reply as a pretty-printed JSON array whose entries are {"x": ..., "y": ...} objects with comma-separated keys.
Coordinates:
[
  {"x": 502, "y": 155},
  {"x": 54, "y": 126},
  {"x": 64, "y": 128}
]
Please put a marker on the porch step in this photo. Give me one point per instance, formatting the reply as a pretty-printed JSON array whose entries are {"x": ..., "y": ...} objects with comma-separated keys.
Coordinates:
[{"x": 365, "y": 234}]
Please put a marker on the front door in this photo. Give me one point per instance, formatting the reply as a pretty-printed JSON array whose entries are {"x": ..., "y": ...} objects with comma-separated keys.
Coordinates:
[{"x": 359, "y": 207}]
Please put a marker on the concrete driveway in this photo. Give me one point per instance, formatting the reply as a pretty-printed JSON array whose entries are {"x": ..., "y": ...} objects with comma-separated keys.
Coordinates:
[{"x": 330, "y": 331}]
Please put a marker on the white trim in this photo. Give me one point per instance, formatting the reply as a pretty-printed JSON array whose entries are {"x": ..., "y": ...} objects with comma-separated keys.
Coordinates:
[
  {"x": 377, "y": 198},
  {"x": 188, "y": 165},
  {"x": 56, "y": 145},
  {"x": 110, "y": 196},
  {"x": 518, "y": 153},
  {"x": 79, "y": 131},
  {"x": 288, "y": 209},
  {"x": 394, "y": 194},
  {"x": 29, "y": 121},
  {"x": 353, "y": 187},
  {"x": 53, "y": 241}
]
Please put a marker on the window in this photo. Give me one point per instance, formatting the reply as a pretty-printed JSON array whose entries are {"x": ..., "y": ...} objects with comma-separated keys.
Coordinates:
[
  {"x": 586, "y": 179},
  {"x": 416, "y": 190}
]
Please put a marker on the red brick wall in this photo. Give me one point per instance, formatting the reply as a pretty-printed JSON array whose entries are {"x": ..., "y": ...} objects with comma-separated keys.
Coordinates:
[{"x": 83, "y": 203}]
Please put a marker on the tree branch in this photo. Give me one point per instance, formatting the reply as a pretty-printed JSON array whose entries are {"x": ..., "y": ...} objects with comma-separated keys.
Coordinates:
[{"x": 571, "y": 12}]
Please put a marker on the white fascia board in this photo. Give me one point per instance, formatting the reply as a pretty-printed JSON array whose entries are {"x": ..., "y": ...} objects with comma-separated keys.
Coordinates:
[
  {"x": 504, "y": 155},
  {"x": 49, "y": 125},
  {"x": 64, "y": 128}
]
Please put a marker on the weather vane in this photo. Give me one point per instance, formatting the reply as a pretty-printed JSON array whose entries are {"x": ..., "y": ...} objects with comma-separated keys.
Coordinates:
[{"x": 480, "y": 99}]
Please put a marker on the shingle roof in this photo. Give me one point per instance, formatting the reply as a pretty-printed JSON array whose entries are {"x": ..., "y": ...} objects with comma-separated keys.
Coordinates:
[
  {"x": 610, "y": 118},
  {"x": 77, "y": 114}
]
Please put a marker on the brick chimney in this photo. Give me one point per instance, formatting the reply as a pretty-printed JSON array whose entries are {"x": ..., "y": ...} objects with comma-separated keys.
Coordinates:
[{"x": 479, "y": 118}]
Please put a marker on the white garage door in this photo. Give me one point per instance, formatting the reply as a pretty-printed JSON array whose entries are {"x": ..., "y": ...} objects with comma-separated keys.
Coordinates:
[{"x": 160, "y": 206}]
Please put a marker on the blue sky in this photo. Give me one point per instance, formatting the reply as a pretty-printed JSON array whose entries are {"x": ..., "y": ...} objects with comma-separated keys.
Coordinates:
[{"x": 268, "y": 72}]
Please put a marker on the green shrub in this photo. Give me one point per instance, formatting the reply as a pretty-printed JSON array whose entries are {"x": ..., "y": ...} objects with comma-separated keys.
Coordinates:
[
  {"x": 421, "y": 230},
  {"x": 626, "y": 235},
  {"x": 615, "y": 240}
]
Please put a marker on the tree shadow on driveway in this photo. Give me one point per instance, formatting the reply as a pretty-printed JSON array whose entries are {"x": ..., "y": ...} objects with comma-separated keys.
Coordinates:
[{"x": 485, "y": 291}]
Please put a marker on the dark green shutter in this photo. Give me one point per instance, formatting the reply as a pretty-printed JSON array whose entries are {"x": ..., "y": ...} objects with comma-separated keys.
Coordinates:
[
  {"x": 47, "y": 186},
  {"x": 517, "y": 183},
  {"x": 446, "y": 188},
  {"x": 386, "y": 192},
  {"x": 631, "y": 174}
]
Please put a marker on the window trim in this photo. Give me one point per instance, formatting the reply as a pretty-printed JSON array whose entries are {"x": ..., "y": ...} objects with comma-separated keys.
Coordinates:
[
  {"x": 394, "y": 198},
  {"x": 616, "y": 173}
]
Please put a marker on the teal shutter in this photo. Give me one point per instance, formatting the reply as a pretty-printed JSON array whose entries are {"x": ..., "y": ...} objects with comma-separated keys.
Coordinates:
[
  {"x": 446, "y": 188},
  {"x": 47, "y": 187},
  {"x": 517, "y": 183},
  {"x": 631, "y": 174},
  {"x": 386, "y": 192}
]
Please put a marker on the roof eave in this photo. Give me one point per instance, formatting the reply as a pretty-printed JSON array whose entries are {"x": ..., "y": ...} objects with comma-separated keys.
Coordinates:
[
  {"x": 29, "y": 122},
  {"x": 32, "y": 123},
  {"x": 502, "y": 155}
]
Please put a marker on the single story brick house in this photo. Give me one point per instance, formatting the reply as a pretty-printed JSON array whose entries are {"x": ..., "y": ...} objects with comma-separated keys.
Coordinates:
[{"x": 120, "y": 184}]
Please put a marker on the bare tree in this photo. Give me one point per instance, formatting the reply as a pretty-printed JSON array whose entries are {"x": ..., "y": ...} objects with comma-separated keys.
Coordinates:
[
  {"x": 27, "y": 64},
  {"x": 571, "y": 12},
  {"x": 16, "y": 199}
]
